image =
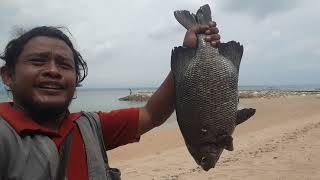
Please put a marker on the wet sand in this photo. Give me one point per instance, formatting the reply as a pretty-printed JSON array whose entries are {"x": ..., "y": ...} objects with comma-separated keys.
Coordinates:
[{"x": 282, "y": 141}]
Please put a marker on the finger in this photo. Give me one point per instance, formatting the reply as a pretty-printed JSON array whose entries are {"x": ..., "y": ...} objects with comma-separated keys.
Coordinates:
[
  {"x": 212, "y": 37},
  {"x": 214, "y": 43},
  {"x": 190, "y": 40},
  {"x": 213, "y": 30},
  {"x": 199, "y": 29},
  {"x": 212, "y": 24}
]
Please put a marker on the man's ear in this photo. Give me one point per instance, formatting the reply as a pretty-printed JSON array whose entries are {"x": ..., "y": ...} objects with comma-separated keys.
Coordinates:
[{"x": 6, "y": 76}]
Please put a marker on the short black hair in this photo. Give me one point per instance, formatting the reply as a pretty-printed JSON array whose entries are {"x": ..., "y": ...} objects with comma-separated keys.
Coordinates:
[{"x": 15, "y": 47}]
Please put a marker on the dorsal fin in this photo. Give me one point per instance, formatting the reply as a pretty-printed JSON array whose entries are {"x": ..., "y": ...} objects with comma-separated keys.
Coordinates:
[{"x": 233, "y": 51}]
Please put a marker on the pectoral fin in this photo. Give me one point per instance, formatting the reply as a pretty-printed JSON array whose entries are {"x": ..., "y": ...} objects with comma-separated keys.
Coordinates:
[
  {"x": 225, "y": 141},
  {"x": 244, "y": 114}
]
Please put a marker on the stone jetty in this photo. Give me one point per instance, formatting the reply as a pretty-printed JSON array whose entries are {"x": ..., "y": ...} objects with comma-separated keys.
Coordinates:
[
  {"x": 276, "y": 93},
  {"x": 144, "y": 96},
  {"x": 139, "y": 96}
]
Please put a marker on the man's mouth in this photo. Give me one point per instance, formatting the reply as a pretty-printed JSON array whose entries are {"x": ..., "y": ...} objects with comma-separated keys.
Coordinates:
[{"x": 51, "y": 86}]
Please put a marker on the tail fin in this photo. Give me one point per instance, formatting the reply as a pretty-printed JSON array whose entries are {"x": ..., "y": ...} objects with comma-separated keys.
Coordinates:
[
  {"x": 187, "y": 20},
  {"x": 204, "y": 15}
]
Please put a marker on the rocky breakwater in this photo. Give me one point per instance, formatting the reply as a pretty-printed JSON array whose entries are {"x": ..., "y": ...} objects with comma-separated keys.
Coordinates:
[
  {"x": 144, "y": 96},
  {"x": 139, "y": 96},
  {"x": 277, "y": 93}
]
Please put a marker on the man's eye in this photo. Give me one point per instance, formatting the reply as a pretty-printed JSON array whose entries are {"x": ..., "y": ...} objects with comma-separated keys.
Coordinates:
[
  {"x": 66, "y": 65},
  {"x": 37, "y": 61}
]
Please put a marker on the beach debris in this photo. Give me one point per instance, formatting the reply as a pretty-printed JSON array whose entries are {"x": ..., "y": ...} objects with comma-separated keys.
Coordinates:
[{"x": 206, "y": 82}]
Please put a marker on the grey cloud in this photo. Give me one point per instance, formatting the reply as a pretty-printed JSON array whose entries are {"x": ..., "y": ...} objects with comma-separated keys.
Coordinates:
[
  {"x": 165, "y": 31},
  {"x": 278, "y": 50},
  {"x": 258, "y": 9},
  {"x": 128, "y": 43}
]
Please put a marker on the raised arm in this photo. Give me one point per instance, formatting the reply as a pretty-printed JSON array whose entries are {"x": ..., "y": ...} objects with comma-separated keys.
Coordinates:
[{"x": 162, "y": 103}]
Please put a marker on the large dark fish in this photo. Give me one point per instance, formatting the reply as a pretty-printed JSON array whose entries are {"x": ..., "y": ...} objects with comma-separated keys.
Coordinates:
[{"x": 206, "y": 82}]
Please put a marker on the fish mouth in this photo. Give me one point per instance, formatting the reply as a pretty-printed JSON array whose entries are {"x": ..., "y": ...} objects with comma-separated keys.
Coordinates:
[
  {"x": 207, "y": 156},
  {"x": 208, "y": 161}
]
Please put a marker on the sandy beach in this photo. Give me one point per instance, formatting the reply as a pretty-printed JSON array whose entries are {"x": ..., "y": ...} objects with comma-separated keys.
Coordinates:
[{"x": 282, "y": 141}]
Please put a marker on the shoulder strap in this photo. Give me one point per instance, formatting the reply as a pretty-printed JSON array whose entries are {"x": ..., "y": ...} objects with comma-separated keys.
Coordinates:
[
  {"x": 64, "y": 156},
  {"x": 95, "y": 118},
  {"x": 111, "y": 173}
]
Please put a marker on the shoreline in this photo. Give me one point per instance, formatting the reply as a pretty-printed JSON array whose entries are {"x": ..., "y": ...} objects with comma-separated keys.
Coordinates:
[{"x": 268, "y": 146}]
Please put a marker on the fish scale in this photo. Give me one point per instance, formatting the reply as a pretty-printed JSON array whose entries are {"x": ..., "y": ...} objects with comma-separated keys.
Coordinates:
[
  {"x": 206, "y": 82},
  {"x": 200, "y": 86}
]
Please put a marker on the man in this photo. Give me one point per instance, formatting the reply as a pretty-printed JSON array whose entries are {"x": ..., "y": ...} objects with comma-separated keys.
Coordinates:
[{"x": 42, "y": 70}]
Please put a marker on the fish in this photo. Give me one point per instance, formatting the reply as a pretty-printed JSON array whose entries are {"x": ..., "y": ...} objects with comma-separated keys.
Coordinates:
[{"x": 206, "y": 85}]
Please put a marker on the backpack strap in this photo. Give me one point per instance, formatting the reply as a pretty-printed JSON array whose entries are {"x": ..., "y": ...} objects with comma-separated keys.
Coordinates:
[
  {"x": 64, "y": 156},
  {"x": 90, "y": 128},
  {"x": 95, "y": 118}
]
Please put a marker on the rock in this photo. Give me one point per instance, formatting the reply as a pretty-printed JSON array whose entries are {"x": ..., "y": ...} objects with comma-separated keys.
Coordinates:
[{"x": 140, "y": 96}]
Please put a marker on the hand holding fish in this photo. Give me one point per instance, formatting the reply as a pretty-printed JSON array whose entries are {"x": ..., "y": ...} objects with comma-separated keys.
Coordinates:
[{"x": 211, "y": 31}]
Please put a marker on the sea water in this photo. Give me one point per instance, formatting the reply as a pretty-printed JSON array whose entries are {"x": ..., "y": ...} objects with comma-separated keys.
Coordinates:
[
  {"x": 96, "y": 99},
  {"x": 107, "y": 99}
]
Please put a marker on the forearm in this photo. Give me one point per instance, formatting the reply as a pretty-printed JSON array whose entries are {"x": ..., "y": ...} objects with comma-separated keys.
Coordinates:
[{"x": 159, "y": 107}]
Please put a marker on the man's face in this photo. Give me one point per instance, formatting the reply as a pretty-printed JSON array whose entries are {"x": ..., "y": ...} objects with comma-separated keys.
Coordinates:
[{"x": 44, "y": 77}]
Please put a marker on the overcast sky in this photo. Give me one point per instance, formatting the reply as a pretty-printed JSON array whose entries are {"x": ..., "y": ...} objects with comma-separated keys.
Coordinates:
[{"x": 128, "y": 43}]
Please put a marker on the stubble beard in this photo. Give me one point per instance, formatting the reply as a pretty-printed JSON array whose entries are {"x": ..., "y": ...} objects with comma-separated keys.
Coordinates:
[{"x": 40, "y": 111}]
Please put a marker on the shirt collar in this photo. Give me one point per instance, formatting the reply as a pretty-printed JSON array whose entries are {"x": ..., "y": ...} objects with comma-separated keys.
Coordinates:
[{"x": 24, "y": 124}]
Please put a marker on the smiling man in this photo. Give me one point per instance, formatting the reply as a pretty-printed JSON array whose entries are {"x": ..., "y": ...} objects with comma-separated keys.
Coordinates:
[{"x": 40, "y": 139}]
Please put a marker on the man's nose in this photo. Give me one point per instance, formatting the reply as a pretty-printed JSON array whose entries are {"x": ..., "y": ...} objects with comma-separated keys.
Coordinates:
[{"x": 52, "y": 69}]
